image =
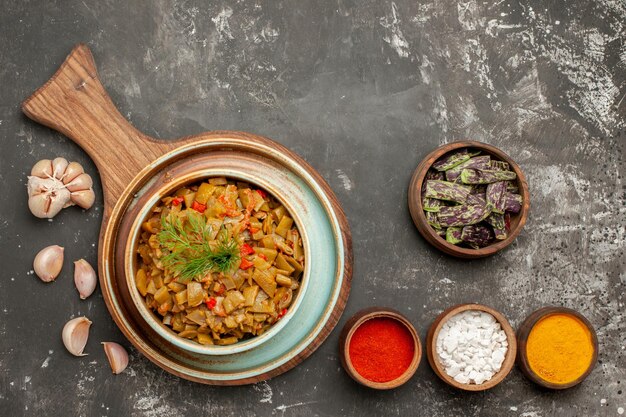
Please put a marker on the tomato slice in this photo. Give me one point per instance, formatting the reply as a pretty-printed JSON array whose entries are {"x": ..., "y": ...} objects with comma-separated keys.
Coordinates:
[
  {"x": 198, "y": 207},
  {"x": 211, "y": 303},
  {"x": 245, "y": 264},
  {"x": 247, "y": 249}
]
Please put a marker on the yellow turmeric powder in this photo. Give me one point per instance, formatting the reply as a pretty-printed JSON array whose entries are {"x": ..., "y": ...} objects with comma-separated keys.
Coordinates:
[{"x": 559, "y": 348}]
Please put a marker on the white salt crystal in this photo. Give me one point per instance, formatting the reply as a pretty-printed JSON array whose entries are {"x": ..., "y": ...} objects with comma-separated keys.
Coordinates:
[
  {"x": 462, "y": 378},
  {"x": 479, "y": 378},
  {"x": 471, "y": 347},
  {"x": 453, "y": 370}
]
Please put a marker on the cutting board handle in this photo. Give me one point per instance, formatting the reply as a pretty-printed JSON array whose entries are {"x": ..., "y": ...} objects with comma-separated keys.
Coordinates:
[{"x": 75, "y": 103}]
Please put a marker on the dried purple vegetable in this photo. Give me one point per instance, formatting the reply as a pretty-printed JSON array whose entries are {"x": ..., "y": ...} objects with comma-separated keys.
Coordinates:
[
  {"x": 431, "y": 174},
  {"x": 511, "y": 186},
  {"x": 444, "y": 190},
  {"x": 475, "y": 176},
  {"x": 495, "y": 195},
  {"x": 431, "y": 204},
  {"x": 478, "y": 162},
  {"x": 478, "y": 235},
  {"x": 476, "y": 199},
  {"x": 433, "y": 219},
  {"x": 512, "y": 202},
  {"x": 451, "y": 160},
  {"x": 500, "y": 166},
  {"x": 498, "y": 223},
  {"x": 462, "y": 215},
  {"x": 434, "y": 175},
  {"x": 475, "y": 189},
  {"x": 478, "y": 189},
  {"x": 453, "y": 235}
]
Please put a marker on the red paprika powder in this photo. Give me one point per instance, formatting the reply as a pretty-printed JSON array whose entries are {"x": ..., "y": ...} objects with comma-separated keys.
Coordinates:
[{"x": 381, "y": 349}]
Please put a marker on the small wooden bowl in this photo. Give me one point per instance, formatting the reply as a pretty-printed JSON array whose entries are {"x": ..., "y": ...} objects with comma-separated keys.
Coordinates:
[
  {"x": 419, "y": 218},
  {"x": 522, "y": 337},
  {"x": 431, "y": 347},
  {"x": 346, "y": 336}
]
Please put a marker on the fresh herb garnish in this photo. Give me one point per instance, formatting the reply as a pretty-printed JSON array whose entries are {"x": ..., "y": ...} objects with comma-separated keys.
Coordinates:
[{"x": 191, "y": 256}]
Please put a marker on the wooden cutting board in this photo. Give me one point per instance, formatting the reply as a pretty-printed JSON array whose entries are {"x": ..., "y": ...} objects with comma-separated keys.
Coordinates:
[{"x": 131, "y": 164}]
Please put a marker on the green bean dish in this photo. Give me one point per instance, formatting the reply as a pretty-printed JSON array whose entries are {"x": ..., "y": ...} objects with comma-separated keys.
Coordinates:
[{"x": 219, "y": 261}]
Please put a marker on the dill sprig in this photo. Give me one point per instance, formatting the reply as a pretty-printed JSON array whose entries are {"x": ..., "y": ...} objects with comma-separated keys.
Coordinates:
[{"x": 190, "y": 254}]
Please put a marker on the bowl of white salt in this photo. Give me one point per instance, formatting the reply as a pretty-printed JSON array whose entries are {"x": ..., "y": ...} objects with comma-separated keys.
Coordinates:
[{"x": 471, "y": 347}]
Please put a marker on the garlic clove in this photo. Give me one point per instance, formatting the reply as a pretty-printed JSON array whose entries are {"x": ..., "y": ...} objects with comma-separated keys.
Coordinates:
[
  {"x": 85, "y": 278},
  {"x": 58, "y": 201},
  {"x": 39, "y": 205},
  {"x": 75, "y": 335},
  {"x": 73, "y": 170},
  {"x": 58, "y": 167},
  {"x": 81, "y": 182},
  {"x": 37, "y": 185},
  {"x": 46, "y": 196},
  {"x": 42, "y": 169},
  {"x": 117, "y": 356},
  {"x": 83, "y": 198},
  {"x": 48, "y": 263}
]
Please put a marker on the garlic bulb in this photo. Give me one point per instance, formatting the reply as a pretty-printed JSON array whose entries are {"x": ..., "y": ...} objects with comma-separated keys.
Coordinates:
[
  {"x": 47, "y": 196},
  {"x": 54, "y": 185},
  {"x": 75, "y": 334},
  {"x": 117, "y": 356},
  {"x": 48, "y": 263},
  {"x": 85, "y": 278}
]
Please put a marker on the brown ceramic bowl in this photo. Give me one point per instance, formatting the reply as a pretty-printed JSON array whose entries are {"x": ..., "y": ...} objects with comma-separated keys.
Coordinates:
[
  {"x": 346, "y": 336},
  {"x": 522, "y": 337},
  {"x": 417, "y": 211},
  {"x": 433, "y": 359}
]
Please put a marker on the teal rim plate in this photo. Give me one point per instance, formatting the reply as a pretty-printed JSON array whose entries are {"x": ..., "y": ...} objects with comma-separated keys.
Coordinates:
[{"x": 325, "y": 283}]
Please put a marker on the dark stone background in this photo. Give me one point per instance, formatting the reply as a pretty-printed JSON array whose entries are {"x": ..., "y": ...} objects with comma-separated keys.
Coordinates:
[{"x": 362, "y": 90}]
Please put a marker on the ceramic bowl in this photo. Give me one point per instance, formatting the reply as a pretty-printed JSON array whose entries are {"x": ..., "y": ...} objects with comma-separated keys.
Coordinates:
[
  {"x": 435, "y": 363},
  {"x": 522, "y": 338},
  {"x": 155, "y": 321},
  {"x": 346, "y": 336},
  {"x": 419, "y": 218}
]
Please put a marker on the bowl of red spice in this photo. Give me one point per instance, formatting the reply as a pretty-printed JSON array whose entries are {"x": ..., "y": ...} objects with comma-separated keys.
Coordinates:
[{"x": 380, "y": 348}]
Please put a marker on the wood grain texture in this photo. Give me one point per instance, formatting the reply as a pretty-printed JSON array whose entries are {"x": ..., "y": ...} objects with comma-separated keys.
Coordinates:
[
  {"x": 75, "y": 103},
  {"x": 346, "y": 336},
  {"x": 522, "y": 340},
  {"x": 419, "y": 218},
  {"x": 433, "y": 359}
]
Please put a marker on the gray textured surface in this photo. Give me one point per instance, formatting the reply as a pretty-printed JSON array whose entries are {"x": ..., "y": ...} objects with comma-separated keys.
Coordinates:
[{"x": 362, "y": 90}]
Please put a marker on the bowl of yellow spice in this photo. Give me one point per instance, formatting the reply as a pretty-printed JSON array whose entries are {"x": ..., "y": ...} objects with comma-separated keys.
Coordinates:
[{"x": 558, "y": 347}]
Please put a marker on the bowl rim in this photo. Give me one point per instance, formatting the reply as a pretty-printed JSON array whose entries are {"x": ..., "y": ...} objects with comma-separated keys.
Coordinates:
[
  {"x": 350, "y": 328},
  {"x": 419, "y": 218},
  {"x": 433, "y": 358},
  {"x": 130, "y": 258},
  {"x": 524, "y": 331},
  {"x": 227, "y": 149}
]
